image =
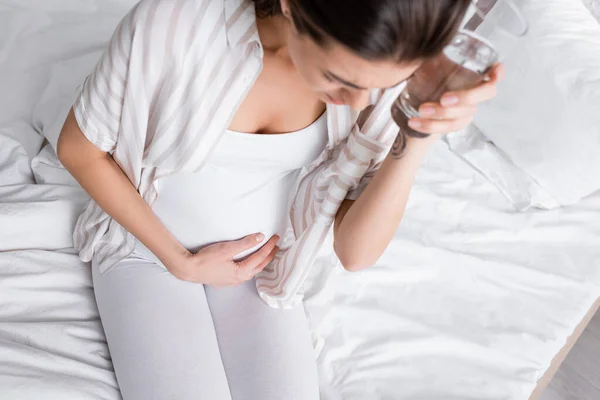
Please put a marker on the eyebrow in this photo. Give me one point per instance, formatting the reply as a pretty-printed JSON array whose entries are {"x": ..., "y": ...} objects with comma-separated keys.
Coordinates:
[
  {"x": 355, "y": 86},
  {"x": 345, "y": 82}
]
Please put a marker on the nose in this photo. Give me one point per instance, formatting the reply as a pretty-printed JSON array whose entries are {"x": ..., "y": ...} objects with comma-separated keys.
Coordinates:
[{"x": 358, "y": 100}]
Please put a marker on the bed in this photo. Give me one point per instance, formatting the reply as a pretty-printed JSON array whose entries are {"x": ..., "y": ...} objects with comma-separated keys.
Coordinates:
[{"x": 472, "y": 300}]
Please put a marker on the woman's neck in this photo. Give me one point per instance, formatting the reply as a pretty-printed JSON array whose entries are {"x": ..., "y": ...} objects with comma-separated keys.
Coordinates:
[{"x": 273, "y": 32}]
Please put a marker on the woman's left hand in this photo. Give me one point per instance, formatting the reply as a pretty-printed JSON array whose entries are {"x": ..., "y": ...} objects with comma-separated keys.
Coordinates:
[{"x": 456, "y": 109}]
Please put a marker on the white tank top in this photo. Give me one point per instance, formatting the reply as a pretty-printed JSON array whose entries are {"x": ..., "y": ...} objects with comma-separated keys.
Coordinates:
[{"x": 243, "y": 188}]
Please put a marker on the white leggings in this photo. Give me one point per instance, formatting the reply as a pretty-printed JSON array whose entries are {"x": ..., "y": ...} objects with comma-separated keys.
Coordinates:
[{"x": 178, "y": 340}]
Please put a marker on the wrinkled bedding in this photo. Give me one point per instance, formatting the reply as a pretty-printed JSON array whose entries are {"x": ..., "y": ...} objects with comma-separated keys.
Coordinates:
[
  {"x": 594, "y": 6},
  {"x": 472, "y": 299}
]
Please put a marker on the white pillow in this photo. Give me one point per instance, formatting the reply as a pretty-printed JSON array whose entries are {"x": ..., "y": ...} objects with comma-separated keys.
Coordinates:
[
  {"x": 594, "y": 6},
  {"x": 47, "y": 48},
  {"x": 546, "y": 118}
]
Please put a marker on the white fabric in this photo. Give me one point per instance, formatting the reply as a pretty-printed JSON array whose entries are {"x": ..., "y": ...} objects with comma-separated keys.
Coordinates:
[
  {"x": 163, "y": 94},
  {"x": 243, "y": 188},
  {"x": 470, "y": 301},
  {"x": 171, "y": 339},
  {"x": 189, "y": 335},
  {"x": 594, "y": 6},
  {"x": 545, "y": 118}
]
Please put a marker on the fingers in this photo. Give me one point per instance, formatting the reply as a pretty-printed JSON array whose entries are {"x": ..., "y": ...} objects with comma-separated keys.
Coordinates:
[
  {"x": 431, "y": 126},
  {"x": 436, "y": 111},
  {"x": 484, "y": 92},
  {"x": 266, "y": 262},
  {"x": 497, "y": 72},
  {"x": 456, "y": 109},
  {"x": 247, "y": 272},
  {"x": 257, "y": 258},
  {"x": 438, "y": 119},
  {"x": 237, "y": 246},
  {"x": 471, "y": 97}
]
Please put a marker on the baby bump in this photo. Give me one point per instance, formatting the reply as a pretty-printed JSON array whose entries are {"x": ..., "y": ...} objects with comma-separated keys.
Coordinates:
[{"x": 216, "y": 205}]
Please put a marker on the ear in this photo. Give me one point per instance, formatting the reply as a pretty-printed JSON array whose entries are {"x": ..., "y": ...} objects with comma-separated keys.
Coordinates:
[{"x": 285, "y": 8}]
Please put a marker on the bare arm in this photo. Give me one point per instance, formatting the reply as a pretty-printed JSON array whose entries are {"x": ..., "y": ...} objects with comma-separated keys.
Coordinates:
[
  {"x": 364, "y": 228},
  {"x": 100, "y": 176}
]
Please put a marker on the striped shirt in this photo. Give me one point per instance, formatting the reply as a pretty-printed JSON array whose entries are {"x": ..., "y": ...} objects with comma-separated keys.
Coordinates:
[{"x": 164, "y": 92}]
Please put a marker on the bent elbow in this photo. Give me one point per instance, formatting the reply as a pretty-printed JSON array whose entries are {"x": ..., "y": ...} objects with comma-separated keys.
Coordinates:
[
  {"x": 353, "y": 267},
  {"x": 66, "y": 145},
  {"x": 350, "y": 262},
  {"x": 62, "y": 151}
]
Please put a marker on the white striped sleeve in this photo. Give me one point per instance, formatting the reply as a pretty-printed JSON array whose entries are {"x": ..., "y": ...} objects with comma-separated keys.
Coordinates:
[
  {"x": 364, "y": 182},
  {"x": 376, "y": 130},
  {"x": 99, "y": 105}
]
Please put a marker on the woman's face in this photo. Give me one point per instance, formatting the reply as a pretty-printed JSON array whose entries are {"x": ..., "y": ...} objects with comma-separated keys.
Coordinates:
[{"x": 339, "y": 76}]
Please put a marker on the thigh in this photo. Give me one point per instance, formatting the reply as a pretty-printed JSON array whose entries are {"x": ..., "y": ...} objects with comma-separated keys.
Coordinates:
[
  {"x": 267, "y": 352},
  {"x": 160, "y": 334}
]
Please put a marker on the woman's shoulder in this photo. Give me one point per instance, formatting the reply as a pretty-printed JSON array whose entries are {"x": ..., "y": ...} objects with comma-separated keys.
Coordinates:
[
  {"x": 182, "y": 8},
  {"x": 181, "y": 24}
]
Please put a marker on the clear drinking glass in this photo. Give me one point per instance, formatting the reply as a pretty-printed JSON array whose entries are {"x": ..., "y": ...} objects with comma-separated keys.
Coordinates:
[{"x": 491, "y": 30}]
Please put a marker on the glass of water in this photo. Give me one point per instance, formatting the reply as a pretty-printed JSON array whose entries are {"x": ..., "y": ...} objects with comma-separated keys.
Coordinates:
[{"x": 491, "y": 30}]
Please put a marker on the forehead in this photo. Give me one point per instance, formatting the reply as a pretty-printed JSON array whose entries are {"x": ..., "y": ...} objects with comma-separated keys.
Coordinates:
[{"x": 346, "y": 64}]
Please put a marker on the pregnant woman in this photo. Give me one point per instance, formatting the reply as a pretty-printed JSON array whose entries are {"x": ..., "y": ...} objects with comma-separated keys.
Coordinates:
[{"x": 191, "y": 135}]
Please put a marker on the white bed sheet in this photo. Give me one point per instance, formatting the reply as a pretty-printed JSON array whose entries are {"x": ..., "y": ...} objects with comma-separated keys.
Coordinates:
[{"x": 471, "y": 301}]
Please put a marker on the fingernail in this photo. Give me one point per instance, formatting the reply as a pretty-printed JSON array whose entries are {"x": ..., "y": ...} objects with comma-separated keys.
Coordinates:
[
  {"x": 426, "y": 111},
  {"x": 414, "y": 124},
  {"x": 260, "y": 237},
  {"x": 449, "y": 100}
]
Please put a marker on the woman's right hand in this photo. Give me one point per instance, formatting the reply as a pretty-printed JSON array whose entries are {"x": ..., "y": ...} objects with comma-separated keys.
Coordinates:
[
  {"x": 104, "y": 180},
  {"x": 214, "y": 264}
]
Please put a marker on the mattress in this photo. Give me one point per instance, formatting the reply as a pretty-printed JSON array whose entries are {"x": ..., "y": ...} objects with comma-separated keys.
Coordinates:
[{"x": 471, "y": 300}]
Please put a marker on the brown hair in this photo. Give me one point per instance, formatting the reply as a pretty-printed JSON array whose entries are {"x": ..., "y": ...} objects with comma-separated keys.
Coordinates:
[{"x": 405, "y": 30}]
